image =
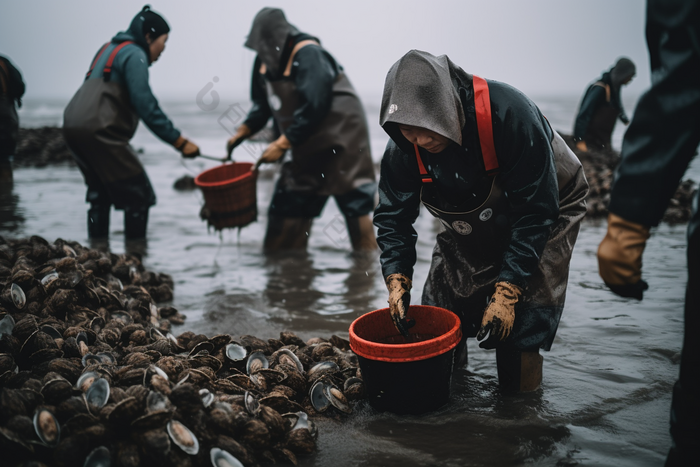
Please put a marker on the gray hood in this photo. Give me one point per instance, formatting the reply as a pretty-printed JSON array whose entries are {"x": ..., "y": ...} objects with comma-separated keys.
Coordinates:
[
  {"x": 422, "y": 90},
  {"x": 268, "y": 36}
]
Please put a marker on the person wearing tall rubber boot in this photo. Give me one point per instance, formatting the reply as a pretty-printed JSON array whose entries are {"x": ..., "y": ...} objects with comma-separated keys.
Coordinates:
[
  {"x": 657, "y": 148},
  {"x": 509, "y": 194},
  {"x": 601, "y": 107},
  {"x": 102, "y": 117},
  {"x": 11, "y": 91},
  {"x": 322, "y": 122}
]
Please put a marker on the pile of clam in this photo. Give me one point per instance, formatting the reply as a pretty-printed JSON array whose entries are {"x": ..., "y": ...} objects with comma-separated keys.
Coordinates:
[{"x": 91, "y": 375}]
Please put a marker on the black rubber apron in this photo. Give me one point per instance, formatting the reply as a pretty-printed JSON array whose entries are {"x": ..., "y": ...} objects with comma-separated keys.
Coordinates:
[
  {"x": 602, "y": 123},
  {"x": 98, "y": 124},
  {"x": 468, "y": 253},
  {"x": 336, "y": 158}
]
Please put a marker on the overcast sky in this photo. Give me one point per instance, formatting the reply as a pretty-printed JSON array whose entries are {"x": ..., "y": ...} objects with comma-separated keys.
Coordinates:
[{"x": 539, "y": 46}]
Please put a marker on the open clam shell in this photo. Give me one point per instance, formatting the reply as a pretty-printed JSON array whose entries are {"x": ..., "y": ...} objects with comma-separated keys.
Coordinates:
[
  {"x": 7, "y": 324},
  {"x": 124, "y": 317},
  {"x": 156, "y": 402},
  {"x": 235, "y": 352},
  {"x": 317, "y": 395},
  {"x": 183, "y": 437},
  {"x": 51, "y": 331},
  {"x": 288, "y": 357},
  {"x": 221, "y": 458},
  {"x": 251, "y": 403},
  {"x": 98, "y": 457},
  {"x": 207, "y": 397},
  {"x": 18, "y": 296},
  {"x": 256, "y": 361},
  {"x": 49, "y": 278},
  {"x": 325, "y": 366},
  {"x": 86, "y": 379},
  {"x": 337, "y": 398},
  {"x": 98, "y": 393},
  {"x": 46, "y": 427}
]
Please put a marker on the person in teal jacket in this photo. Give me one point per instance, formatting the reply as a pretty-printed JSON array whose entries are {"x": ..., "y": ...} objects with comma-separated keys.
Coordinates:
[{"x": 102, "y": 117}]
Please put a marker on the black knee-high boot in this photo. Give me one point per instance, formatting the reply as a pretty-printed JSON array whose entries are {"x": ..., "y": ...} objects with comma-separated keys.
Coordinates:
[
  {"x": 519, "y": 371},
  {"x": 135, "y": 222},
  {"x": 98, "y": 221}
]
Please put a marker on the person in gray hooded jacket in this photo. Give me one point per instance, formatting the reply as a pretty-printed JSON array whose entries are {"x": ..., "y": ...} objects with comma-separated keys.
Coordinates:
[
  {"x": 481, "y": 157},
  {"x": 102, "y": 117},
  {"x": 321, "y": 120}
]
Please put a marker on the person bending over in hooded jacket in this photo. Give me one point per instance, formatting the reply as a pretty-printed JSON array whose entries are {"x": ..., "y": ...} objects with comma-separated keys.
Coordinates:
[
  {"x": 11, "y": 92},
  {"x": 601, "y": 106},
  {"x": 102, "y": 117},
  {"x": 509, "y": 193},
  {"x": 321, "y": 119}
]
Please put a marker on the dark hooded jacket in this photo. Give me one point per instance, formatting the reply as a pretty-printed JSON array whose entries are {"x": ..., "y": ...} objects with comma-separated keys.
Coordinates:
[
  {"x": 596, "y": 98},
  {"x": 11, "y": 92},
  {"x": 431, "y": 92},
  {"x": 314, "y": 71}
]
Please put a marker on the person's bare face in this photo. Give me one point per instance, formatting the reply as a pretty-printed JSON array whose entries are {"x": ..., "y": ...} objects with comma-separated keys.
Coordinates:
[
  {"x": 427, "y": 139},
  {"x": 156, "y": 46}
]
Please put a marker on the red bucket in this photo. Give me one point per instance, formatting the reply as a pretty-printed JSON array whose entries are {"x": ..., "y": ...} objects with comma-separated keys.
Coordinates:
[
  {"x": 229, "y": 195},
  {"x": 411, "y": 377}
]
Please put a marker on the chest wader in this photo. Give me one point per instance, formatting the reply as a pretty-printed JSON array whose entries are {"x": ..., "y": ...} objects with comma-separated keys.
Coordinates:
[
  {"x": 469, "y": 252},
  {"x": 333, "y": 161},
  {"x": 98, "y": 124},
  {"x": 9, "y": 127},
  {"x": 600, "y": 129}
]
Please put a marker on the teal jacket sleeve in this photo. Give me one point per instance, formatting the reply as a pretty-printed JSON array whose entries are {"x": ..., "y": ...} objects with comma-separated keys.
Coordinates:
[{"x": 131, "y": 69}]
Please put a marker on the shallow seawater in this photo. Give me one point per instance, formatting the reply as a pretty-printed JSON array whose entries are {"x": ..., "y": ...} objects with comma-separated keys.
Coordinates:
[{"x": 607, "y": 380}]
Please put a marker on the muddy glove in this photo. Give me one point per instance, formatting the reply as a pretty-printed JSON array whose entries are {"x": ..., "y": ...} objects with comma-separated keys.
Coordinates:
[
  {"x": 241, "y": 134},
  {"x": 188, "y": 149},
  {"x": 582, "y": 146},
  {"x": 620, "y": 257},
  {"x": 399, "y": 287},
  {"x": 275, "y": 150},
  {"x": 500, "y": 313}
]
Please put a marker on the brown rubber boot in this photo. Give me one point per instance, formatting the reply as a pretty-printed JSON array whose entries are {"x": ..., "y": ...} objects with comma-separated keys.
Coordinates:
[
  {"x": 287, "y": 233},
  {"x": 519, "y": 371},
  {"x": 361, "y": 231}
]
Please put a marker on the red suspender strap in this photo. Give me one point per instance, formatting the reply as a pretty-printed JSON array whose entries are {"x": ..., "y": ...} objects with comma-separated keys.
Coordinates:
[
  {"x": 108, "y": 67},
  {"x": 97, "y": 57},
  {"x": 423, "y": 173},
  {"x": 482, "y": 105}
]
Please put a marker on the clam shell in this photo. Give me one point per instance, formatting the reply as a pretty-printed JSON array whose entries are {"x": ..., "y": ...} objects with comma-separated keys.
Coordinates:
[
  {"x": 86, "y": 379},
  {"x": 251, "y": 403},
  {"x": 236, "y": 352},
  {"x": 7, "y": 324},
  {"x": 18, "y": 296},
  {"x": 323, "y": 366},
  {"x": 337, "y": 398},
  {"x": 98, "y": 393},
  {"x": 317, "y": 395},
  {"x": 256, "y": 361},
  {"x": 99, "y": 457},
  {"x": 286, "y": 356},
  {"x": 156, "y": 402},
  {"x": 183, "y": 437},
  {"x": 221, "y": 458},
  {"x": 207, "y": 397},
  {"x": 46, "y": 427},
  {"x": 51, "y": 331}
]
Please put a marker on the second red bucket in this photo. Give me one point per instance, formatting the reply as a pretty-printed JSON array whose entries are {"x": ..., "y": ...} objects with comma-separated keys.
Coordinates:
[
  {"x": 229, "y": 195},
  {"x": 407, "y": 376}
]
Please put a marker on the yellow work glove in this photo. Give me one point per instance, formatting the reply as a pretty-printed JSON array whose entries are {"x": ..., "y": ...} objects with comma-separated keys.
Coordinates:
[
  {"x": 241, "y": 134},
  {"x": 187, "y": 148},
  {"x": 399, "y": 287},
  {"x": 620, "y": 257},
  {"x": 499, "y": 315},
  {"x": 275, "y": 150}
]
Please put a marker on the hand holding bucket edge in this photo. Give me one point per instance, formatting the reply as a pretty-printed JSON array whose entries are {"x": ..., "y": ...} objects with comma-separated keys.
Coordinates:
[
  {"x": 399, "y": 287},
  {"x": 499, "y": 315},
  {"x": 275, "y": 150}
]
